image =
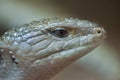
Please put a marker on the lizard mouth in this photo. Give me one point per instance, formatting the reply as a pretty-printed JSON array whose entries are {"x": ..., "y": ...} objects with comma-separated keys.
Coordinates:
[
  {"x": 89, "y": 42},
  {"x": 69, "y": 55},
  {"x": 76, "y": 45},
  {"x": 68, "y": 49},
  {"x": 73, "y": 51}
]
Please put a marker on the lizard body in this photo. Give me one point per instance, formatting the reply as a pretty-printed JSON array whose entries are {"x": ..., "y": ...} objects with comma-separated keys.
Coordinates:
[{"x": 41, "y": 49}]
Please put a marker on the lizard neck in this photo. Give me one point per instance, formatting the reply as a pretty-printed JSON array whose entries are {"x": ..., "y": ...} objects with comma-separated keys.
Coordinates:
[{"x": 8, "y": 69}]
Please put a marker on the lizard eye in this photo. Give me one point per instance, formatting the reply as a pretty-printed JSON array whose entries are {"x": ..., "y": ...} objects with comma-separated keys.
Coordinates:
[{"x": 61, "y": 33}]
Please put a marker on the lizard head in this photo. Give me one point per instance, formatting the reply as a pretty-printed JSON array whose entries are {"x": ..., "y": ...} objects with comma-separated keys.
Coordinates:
[{"x": 49, "y": 45}]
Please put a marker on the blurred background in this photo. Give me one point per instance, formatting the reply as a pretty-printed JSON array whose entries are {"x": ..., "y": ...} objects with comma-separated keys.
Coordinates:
[{"x": 101, "y": 64}]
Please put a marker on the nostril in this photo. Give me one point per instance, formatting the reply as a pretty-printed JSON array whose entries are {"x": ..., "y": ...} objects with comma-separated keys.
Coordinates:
[{"x": 99, "y": 31}]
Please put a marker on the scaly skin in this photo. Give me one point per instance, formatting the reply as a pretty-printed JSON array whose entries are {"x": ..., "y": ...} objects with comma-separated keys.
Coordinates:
[{"x": 41, "y": 49}]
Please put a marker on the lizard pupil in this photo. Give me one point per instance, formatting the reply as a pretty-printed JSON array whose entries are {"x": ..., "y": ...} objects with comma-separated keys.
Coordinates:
[{"x": 60, "y": 33}]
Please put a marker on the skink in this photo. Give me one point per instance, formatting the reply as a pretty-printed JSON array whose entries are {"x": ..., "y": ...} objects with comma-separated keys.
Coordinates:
[{"x": 40, "y": 49}]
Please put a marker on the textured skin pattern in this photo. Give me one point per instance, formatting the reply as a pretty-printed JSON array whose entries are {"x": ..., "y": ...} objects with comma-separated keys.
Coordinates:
[{"x": 41, "y": 49}]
